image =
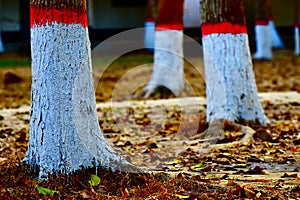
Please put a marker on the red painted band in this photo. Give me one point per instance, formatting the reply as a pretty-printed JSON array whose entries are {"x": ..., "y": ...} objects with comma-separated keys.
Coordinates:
[
  {"x": 261, "y": 22},
  {"x": 296, "y": 25},
  {"x": 162, "y": 27},
  {"x": 270, "y": 18},
  {"x": 41, "y": 16},
  {"x": 222, "y": 27},
  {"x": 149, "y": 19}
]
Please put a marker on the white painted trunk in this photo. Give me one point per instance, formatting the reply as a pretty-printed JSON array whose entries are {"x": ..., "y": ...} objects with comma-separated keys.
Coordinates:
[
  {"x": 1, "y": 44},
  {"x": 275, "y": 38},
  {"x": 64, "y": 130},
  {"x": 191, "y": 14},
  {"x": 168, "y": 61},
  {"x": 263, "y": 42},
  {"x": 149, "y": 34},
  {"x": 296, "y": 40},
  {"x": 231, "y": 89}
]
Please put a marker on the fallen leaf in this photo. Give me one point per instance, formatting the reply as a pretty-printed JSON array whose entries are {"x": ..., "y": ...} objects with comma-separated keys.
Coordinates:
[
  {"x": 46, "y": 191},
  {"x": 94, "y": 180},
  {"x": 182, "y": 196},
  {"x": 249, "y": 193}
]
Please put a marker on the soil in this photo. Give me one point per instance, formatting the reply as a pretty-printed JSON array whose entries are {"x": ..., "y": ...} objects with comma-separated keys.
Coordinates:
[{"x": 160, "y": 136}]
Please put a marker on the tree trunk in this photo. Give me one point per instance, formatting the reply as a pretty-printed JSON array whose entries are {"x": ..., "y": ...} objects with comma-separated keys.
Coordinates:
[
  {"x": 296, "y": 29},
  {"x": 262, "y": 31},
  {"x": 168, "y": 49},
  {"x": 150, "y": 24},
  {"x": 276, "y": 41},
  {"x": 191, "y": 14},
  {"x": 1, "y": 44},
  {"x": 231, "y": 89},
  {"x": 64, "y": 132}
]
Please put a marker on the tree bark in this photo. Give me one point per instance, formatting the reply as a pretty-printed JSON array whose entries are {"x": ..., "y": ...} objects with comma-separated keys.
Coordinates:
[
  {"x": 64, "y": 131},
  {"x": 262, "y": 31},
  {"x": 276, "y": 41},
  {"x": 296, "y": 29},
  {"x": 231, "y": 89},
  {"x": 150, "y": 24},
  {"x": 168, "y": 49},
  {"x": 1, "y": 43}
]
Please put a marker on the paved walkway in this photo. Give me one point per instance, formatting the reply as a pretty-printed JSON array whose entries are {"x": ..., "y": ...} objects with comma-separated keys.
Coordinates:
[{"x": 17, "y": 118}]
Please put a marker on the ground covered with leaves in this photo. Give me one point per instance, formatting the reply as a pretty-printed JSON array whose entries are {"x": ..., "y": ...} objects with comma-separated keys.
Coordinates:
[{"x": 162, "y": 137}]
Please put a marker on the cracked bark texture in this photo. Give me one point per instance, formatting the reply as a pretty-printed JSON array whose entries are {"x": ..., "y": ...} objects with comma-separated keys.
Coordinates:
[{"x": 64, "y": 131}]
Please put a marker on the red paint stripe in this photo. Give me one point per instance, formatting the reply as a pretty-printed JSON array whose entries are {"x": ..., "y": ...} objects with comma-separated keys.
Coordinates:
[
  {"x": 262, "y": 22},
  {"x": 270, "y": 18},
  {"x": 40, "y": 16},
  {"x": 162, "y": 27},
  {"x": 222, "y": 27},
  {"x": 149, "y": 19}
]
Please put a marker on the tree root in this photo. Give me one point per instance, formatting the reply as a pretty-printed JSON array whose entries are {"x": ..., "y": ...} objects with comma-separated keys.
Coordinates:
[
  {"x": 149, "y": 91},
  {"x": 216, "y": 132}
]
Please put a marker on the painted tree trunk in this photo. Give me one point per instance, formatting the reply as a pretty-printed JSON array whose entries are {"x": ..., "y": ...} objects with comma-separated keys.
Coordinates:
[
  {"x": 231, "y": 90},
  {"x": 168, "y": 52},
  {"x": 276, "y": 41},
  {"x": 296, "y": 29},
  {"x": 150, "y": 24},
  {"x": 191, "y": 14},
  {"x": 1, "y": 44},
  {"x": 64, "y": 130},
  {"x": 262, "y": 31}
]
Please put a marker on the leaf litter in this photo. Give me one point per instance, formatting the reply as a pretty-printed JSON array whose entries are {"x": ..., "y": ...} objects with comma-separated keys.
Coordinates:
[{"x": 165, "y": 140}]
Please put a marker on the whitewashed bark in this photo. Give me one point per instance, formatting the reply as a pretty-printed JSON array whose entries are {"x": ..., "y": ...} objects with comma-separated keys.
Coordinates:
[
  {"x": 263, "y": 42},
  {"x": 296, "y": 40},
  {"x": 231, "y": 90},
  {"x": 1, "y": 43},
  {"x": 275, "y": 38},
  {"x": 149, "y": 34},
  {"x": 168, "y": 61},
  {"x": 64, "y": 132},
  {"x": 191, "y": 14}
]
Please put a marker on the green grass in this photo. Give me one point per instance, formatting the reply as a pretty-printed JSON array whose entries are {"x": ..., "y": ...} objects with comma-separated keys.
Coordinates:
[{"x": 12, "y": 62}]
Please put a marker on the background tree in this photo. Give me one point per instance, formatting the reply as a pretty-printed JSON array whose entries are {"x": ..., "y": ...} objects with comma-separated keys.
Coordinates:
[
  {"x": 276, "y": 41},
  {"x": 150, "y": 24},
  {"x": 64, "y": 130},
  {"x": 168, "y": 49},
  {"x": 296, "y": 29},
  {"x": 1, "y": 44},
  {"x": 231, "y": 89},
  {"x": 265, "y": 32}
]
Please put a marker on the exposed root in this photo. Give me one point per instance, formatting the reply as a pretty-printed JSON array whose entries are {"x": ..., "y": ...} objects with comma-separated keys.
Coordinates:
[
  {"x": 149, "y": 91},
  {"x": 216, "y": 132}
]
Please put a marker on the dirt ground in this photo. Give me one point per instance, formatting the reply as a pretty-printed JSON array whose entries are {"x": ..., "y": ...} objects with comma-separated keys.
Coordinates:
[{"x": 161, "y": 135}]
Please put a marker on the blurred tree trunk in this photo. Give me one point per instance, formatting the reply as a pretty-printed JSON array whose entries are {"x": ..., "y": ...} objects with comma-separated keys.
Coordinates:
[
  {"x": 262, "y": 30},
  {"x": 168, "y": 49},
  {"x": 231, "y": 88},
  {"x": 64, "y": 131},
  {"x": 150, "y": 24},
  {"x": 276, "y": 41},
  {"x": 296, "y": 29},
  {"x": 1, "y": 43}
]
